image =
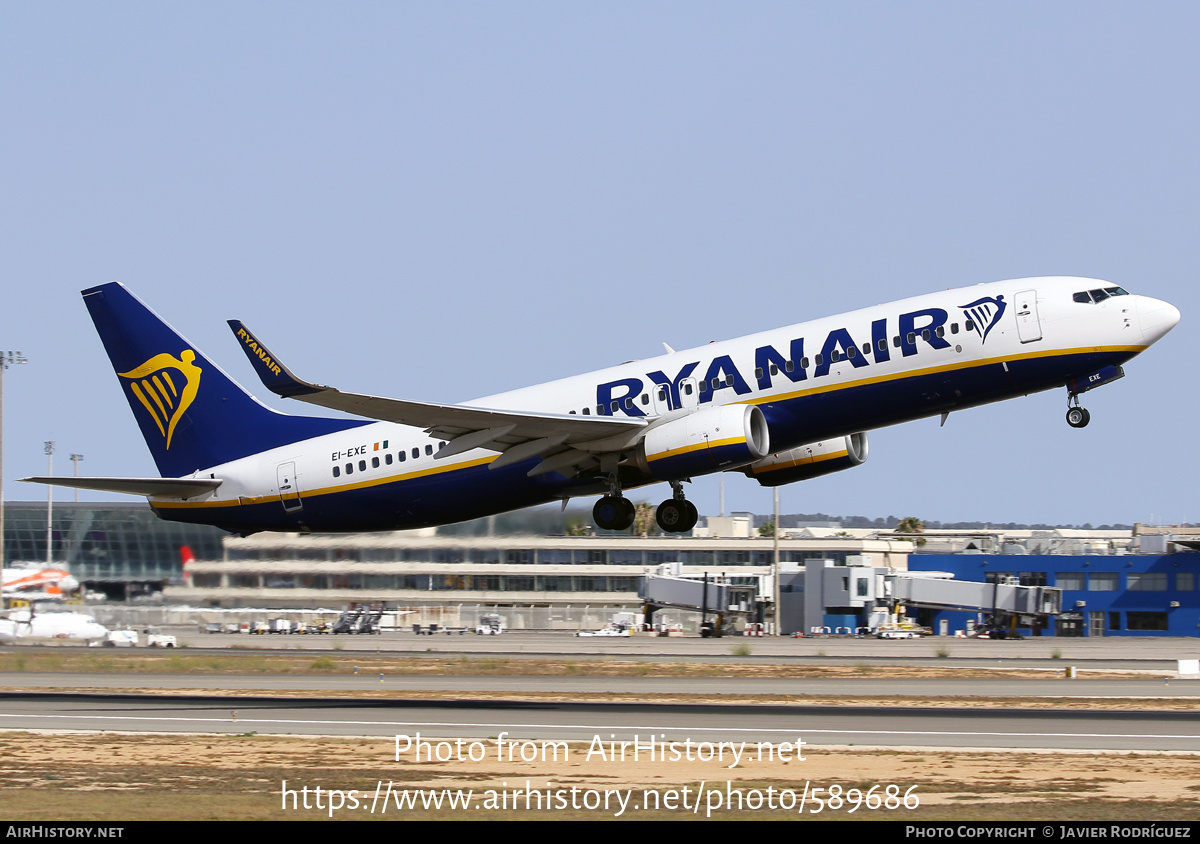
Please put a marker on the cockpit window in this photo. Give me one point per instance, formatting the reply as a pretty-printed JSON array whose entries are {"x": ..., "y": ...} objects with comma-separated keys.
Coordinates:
[{"x": 1099, "y": 295}]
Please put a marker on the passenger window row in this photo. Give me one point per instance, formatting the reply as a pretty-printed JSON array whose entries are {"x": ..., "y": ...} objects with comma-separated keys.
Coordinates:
[{"x": 401, "y": 456}]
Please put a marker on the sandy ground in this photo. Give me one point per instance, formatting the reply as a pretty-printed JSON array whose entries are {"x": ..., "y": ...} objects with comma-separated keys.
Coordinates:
[
  {"x": 79, "y": 776},
  {"x": 127, "y": 777}
]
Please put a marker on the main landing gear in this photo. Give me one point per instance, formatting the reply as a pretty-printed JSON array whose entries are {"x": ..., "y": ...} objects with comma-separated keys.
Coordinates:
[
  {"x": 675, "y": 515},
  {"x": 614, "y": 512},
  {"x": 1077, "y": 417}
]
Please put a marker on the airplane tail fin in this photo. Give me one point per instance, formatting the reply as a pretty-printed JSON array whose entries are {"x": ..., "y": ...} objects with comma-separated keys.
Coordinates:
[
  {"x": 192, "y": 415},
  {"x": 187, "y": 558}
]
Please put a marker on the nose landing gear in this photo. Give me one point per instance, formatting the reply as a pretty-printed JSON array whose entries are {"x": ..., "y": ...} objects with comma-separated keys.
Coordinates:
[{"x": 1077, "y": 417}]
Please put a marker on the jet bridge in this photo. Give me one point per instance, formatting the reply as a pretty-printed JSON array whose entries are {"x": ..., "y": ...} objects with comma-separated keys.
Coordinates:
[
  {"x": 825, "y": 596},
  {"x": 942, "y": 593},
  {"x": 708, "y": 596},
  {"x": 1005, "y": 601}
]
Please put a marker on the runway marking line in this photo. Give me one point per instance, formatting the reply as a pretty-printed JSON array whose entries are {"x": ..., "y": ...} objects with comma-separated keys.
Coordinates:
[{"x": 244, "y": 720}]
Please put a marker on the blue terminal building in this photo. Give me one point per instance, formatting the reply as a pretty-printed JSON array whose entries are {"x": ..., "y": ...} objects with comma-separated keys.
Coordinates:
[{"x": 1121, "y": 595}]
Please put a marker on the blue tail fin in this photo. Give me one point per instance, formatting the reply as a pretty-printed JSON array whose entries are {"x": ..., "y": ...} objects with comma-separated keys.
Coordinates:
[{"x": 192, "y": 414}]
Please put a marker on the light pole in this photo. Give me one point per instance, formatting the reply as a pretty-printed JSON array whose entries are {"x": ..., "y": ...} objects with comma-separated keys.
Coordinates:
[
  {"x": 75, "y": 458},
  {"x": 7, "y": 359},
  {"x": 49, "y": 504},
  {"x": 778, "y": 591}
]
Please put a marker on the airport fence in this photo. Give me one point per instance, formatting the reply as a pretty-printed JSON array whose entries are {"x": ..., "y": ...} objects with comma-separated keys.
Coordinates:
[{"x": 564, "y": 617}]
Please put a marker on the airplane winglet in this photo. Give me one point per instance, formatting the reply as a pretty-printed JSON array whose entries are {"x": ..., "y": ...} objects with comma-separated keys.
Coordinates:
[{"x": 275, "y": 376}]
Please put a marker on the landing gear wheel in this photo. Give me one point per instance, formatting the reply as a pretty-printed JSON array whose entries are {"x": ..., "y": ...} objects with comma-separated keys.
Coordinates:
[
  {"x": 613, "y": 513},
  {"x": 676, "y": 515},
  {"x": 1078, "y": 417},
  {"x": 672, "y": 516},
  {"x": 628, "y": 514},
  {"x": 693, "y": 516}
]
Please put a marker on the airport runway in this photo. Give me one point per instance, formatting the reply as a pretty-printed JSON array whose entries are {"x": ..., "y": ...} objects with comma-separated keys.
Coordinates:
[
  {"x": 460, "y": 712},
  {"x": 840, "y": 726},
  {"x": 557, "y": 643},
  {"x": 648, "y": 686}
]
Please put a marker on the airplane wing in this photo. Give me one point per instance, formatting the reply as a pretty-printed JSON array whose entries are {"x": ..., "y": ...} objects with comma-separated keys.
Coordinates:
[
  {"x": 180, "y": 488},
  {"x": 565, "y": 442}
]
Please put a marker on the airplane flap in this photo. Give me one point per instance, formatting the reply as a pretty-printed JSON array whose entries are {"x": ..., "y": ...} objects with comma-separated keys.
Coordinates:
[{"x": 180, "y": 488}]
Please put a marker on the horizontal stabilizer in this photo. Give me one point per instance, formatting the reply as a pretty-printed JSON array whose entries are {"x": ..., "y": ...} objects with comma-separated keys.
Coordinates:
[{"x": 162, "y": 487}]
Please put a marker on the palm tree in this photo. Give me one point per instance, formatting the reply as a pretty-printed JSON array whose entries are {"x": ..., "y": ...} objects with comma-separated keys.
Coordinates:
[
  {"x": 644, "y": 522},
  {"x": 911, "y": 524}
]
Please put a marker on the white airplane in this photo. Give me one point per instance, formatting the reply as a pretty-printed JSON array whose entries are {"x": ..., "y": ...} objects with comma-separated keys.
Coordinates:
[
  {"x": 780, "y": 406},
  {"x": 51, "y": 626},
  {"x": 37, "y": 582}
]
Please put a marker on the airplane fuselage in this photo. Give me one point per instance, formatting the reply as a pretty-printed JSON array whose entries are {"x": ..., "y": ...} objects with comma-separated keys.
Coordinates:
[
  {"x": 813, "y": 381},
  {"x": 50, "y": 626}
]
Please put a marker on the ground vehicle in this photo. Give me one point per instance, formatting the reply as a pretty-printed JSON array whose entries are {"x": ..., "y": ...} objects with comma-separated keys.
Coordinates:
[
  {"x": 155, "y": 638},
  {"x": 996, "y": 631},
  {"x": 121, "y": 639},
  {"x": 489, "y": 625},
  {"x": 611, "y": 630}
]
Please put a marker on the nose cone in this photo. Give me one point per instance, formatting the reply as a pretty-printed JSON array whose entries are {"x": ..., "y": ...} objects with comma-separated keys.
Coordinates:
[{"x": 1156, "y": 317}]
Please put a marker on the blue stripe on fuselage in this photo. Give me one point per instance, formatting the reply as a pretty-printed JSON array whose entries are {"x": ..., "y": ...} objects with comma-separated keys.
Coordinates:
[{"x": 460, "y": 494}]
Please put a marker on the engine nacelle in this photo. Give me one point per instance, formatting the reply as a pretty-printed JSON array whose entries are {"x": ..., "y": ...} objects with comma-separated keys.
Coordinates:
[
  {"x": 810, "y": 461},
  {"x": 709, "y": 440}
]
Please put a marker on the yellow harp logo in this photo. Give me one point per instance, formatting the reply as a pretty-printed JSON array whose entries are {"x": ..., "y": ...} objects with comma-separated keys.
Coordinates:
[{"x": 153, "y": 385}]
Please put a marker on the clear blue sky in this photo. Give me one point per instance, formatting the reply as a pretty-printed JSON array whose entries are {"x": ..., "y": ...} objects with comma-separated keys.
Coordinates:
[{"x": 443, "y": 200}]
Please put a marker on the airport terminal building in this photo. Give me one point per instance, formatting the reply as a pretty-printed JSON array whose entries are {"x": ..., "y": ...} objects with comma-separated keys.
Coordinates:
[
  {"x": 1126, "y": 583},
  {"x": 117, "y": 547},
  {"x": 1126, "y": 595}
]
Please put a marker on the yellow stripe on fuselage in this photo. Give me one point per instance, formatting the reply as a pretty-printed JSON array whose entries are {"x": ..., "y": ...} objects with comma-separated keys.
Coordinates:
[
  {"x": 332, "y": 490},
  {"x": 933, "y": 370}
]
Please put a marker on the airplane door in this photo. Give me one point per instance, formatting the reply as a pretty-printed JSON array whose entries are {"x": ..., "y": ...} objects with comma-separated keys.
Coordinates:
[
  {"x": 689, "y": 393},
  {"x": 1029, "y": 327},
  {"x": 660, "y": 399},
  {"x": 289, "y": 490}
]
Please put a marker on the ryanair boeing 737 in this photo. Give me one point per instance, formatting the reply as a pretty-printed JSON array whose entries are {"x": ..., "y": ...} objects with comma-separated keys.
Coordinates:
[{"x": 782, "y": 406}]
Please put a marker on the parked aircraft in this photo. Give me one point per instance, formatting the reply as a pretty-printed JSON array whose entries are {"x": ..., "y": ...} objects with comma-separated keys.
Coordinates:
[
  {"x": 781, "y": 406},
  {"x": 37, "y": 582},
  {"x": 49, "y": 626}
]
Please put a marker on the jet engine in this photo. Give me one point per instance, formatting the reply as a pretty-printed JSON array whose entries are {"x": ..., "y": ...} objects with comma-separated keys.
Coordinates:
[
  {"x": 810, "y": 461},
  {"x": 710, "y": 440}
]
